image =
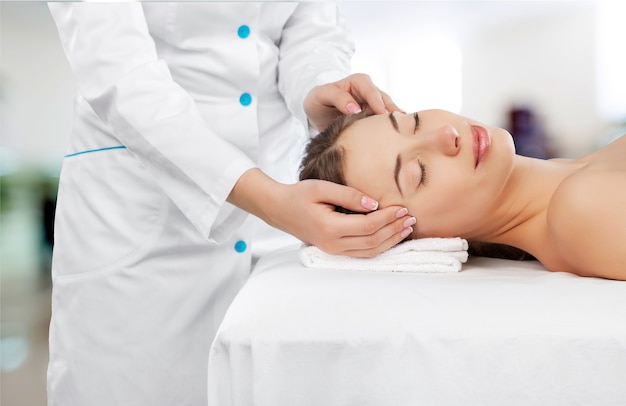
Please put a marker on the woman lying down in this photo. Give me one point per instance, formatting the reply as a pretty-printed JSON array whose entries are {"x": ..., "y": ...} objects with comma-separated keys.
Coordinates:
[{"x": 461, "y": 178}]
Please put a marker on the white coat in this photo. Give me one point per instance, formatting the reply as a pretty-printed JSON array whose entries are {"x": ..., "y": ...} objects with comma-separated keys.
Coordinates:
[{"x": 174, "y": 102}]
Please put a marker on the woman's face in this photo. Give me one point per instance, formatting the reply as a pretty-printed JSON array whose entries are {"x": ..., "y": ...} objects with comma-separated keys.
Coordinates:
[{"x": 446, "y": 169}]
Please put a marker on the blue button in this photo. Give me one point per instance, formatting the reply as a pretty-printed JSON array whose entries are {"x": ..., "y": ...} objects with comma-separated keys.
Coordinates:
[
  {"x": 240, "y": 246},
  {"x": 243, "y": 31},
  {"x": 245, "y": 99}
]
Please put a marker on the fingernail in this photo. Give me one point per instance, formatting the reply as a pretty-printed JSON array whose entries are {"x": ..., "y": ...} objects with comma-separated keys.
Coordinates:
[
  {"x": 353, "y": 108},
  {"x": 406, "y": 232},
  {"x": 409, "y": 222},
  {"x": 369, "y": 203},
  {"x": 402, "y": 212}
]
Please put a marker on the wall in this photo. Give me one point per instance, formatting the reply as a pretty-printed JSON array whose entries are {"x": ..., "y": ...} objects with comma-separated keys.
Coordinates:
[
  {"x": 537, "y": 52},
  {"x": 36, "y": 89},
  {"x": 540, "y": 54},
  {"x": 547, "y": 64}
]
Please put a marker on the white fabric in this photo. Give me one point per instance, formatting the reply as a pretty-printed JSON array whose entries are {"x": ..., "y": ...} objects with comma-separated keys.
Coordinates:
[
  {"x": 159, "y": 77},
  {"x": 499, "y": 333},
  {"x": 144, "y": 265},
  {"x": 421, "y": 255}
]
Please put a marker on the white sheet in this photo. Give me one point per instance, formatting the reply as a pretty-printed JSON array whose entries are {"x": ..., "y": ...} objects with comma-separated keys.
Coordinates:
[{"x": 500, "y": 333}]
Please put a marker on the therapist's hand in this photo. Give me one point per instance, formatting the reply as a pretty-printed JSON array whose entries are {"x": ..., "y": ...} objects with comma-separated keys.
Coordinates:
[
  {"x": 307, "y": 211},
  {"x": 324, "y": 103}
]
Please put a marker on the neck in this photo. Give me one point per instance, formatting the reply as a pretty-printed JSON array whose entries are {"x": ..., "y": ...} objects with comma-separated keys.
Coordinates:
[{"x": 519, "y": 217}]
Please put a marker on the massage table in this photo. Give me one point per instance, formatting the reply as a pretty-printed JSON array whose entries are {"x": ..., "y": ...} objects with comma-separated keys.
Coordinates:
[{"x": 499, "y": 332}]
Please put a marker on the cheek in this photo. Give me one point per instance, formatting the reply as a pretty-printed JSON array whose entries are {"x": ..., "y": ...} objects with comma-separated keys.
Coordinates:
[{"x": 448, "y": 207}]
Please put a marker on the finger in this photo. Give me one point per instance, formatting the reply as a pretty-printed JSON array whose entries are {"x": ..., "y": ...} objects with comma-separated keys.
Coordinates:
[
  {"x": 343, "y": 196},
  {"x": 337, "y": 96},
  {"x": 368, "y": 231},
  {"x": 364, "y": 89},
  {"x": 389, "y": 235},
  {"x": 344, "y": 102},
  {"x": 392, "y": 241},
  {"x": 390, "y": 105}
]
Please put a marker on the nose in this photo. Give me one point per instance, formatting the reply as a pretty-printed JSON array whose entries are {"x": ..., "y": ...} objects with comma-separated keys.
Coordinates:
[{"x": 446, "y": 140}]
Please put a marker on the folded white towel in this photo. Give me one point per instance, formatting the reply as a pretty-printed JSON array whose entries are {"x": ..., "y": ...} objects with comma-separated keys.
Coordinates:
[{"x": 421, "y": 255}]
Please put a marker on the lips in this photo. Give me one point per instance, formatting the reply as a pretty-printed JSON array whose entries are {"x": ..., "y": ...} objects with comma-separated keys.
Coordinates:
[{"x": 481, "y": 145}]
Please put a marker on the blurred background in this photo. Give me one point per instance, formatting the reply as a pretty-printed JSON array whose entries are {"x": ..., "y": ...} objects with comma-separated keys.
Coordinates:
[{"x": 551, "y": 72}]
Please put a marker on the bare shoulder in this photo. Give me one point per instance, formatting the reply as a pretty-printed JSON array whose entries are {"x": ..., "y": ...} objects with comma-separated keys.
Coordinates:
[
  {"x": 613, "y": 154},
  {"x": 587, "y": 220}
]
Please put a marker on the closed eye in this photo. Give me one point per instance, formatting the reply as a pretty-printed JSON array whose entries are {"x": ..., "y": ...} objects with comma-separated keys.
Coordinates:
[{"x": 423, "y": 177}]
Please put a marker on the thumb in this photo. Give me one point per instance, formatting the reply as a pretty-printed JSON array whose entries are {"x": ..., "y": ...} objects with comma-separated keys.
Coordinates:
[{"x": 347, "y": 197}]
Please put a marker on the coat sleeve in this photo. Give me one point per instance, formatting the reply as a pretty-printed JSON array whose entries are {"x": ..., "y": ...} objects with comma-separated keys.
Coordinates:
[
  {"x": 315, "y": 48},
  {"x": 116, "y": 70}
]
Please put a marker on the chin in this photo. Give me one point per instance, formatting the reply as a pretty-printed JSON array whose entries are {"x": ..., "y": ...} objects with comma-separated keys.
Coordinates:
[
  {"x": 502, "y": 144},
  {"x": 508, "y": 139}
]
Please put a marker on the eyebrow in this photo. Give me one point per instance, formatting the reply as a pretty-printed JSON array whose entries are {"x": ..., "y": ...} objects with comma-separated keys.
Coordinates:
[{"x": 394, "y": 122}]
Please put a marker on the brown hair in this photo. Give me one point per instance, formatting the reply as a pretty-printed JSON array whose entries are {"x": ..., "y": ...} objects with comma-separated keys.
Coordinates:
[{"x": 323, "y": 159}]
